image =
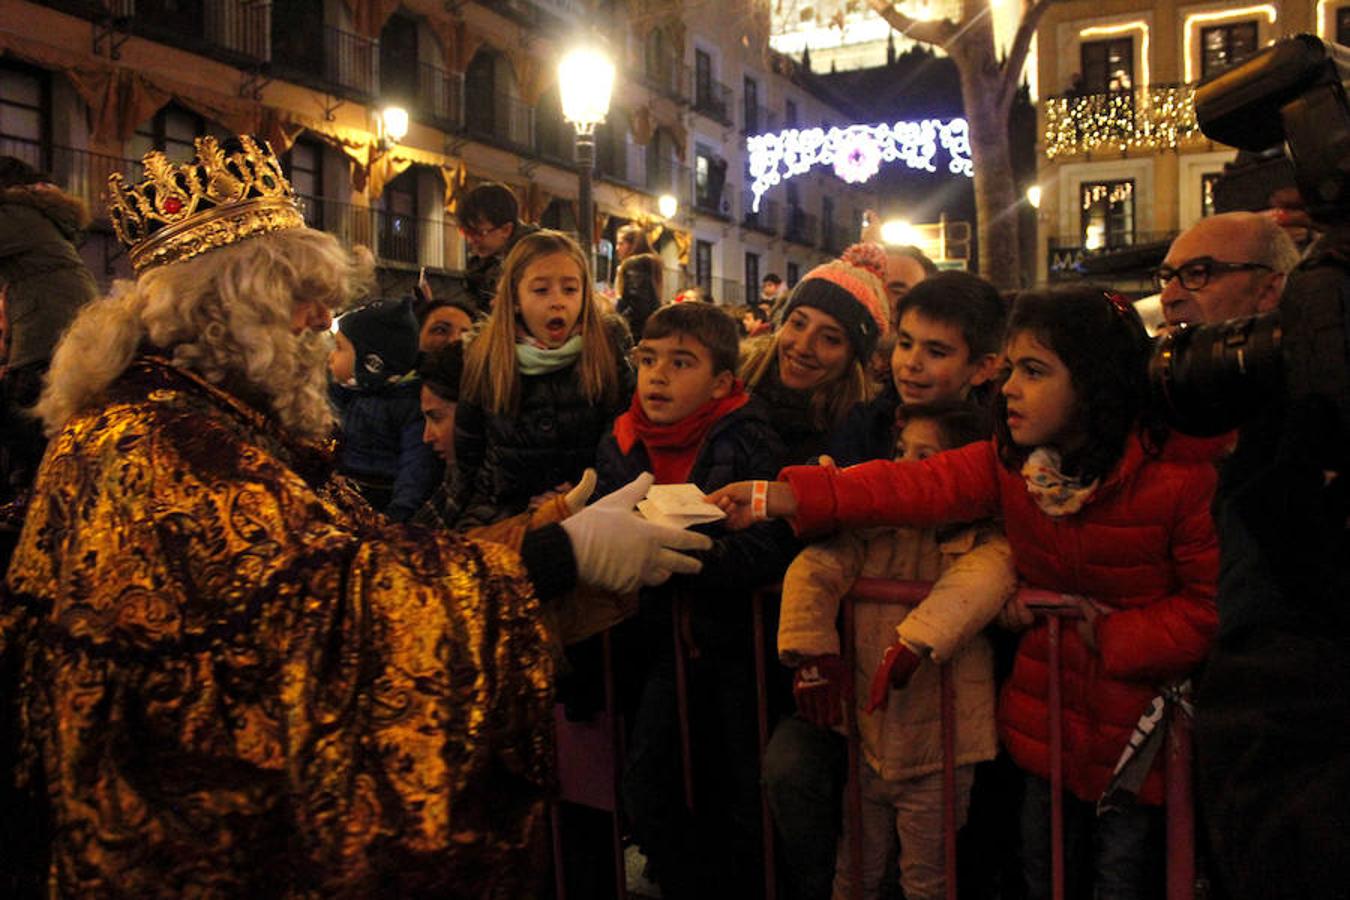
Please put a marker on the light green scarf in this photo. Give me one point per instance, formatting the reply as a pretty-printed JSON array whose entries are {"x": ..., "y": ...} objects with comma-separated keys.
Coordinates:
[{"x": 535, "y": 360}]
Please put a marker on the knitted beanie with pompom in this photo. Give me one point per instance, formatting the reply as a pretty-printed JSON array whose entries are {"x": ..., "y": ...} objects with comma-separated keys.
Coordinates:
[{"x": 852, "y": 290}]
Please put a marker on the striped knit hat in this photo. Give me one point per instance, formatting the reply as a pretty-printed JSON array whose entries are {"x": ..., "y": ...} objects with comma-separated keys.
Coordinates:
[{"x": 851, "y": 289}]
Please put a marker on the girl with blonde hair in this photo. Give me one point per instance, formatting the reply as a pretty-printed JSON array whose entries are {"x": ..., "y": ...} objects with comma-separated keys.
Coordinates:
[{"x": 542, "y": 380}]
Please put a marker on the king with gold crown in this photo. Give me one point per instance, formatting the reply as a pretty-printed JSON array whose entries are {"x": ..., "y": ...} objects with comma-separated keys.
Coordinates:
[{"x": 226, "y": 676}]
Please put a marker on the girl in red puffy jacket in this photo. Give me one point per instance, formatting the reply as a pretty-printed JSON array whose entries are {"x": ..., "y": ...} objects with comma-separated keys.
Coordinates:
[{"x": 1100, "y": 506}]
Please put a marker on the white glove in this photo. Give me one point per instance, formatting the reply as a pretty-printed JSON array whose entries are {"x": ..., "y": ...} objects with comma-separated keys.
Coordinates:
[{"x": 618, "y": 550}]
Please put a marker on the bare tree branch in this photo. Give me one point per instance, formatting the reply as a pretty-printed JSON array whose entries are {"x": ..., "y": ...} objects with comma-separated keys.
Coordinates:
[
  {"x": 938, "y": 32},
  {"x": 1017, "y": 53}
]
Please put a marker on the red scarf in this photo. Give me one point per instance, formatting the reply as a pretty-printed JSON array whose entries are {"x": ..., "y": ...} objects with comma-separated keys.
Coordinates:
[{"x": 673, "y": 449}]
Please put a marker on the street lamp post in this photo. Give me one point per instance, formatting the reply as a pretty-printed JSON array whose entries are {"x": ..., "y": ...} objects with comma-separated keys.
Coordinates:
[{"x": 585, "y": 79}]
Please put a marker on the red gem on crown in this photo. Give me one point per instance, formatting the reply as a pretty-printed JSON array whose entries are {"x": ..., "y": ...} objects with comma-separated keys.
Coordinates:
[{"x": 173, "y": 205}]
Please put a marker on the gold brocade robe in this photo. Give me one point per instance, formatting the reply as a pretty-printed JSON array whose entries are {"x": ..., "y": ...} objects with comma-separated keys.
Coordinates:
[{"x": 234, "y": 682}]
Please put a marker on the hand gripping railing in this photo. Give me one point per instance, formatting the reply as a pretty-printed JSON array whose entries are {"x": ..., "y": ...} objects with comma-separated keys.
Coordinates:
[
  {"x": 1051, "y": 606},
  {"x": 1048, "y": 604}
]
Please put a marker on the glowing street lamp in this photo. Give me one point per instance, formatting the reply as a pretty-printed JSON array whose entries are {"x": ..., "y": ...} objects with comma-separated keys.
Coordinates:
[
  {"x": 393, "y": 126},
  {"x": 898, "y": 232},
  {"x": 585, "y": 81},
  {"x": 1034, "y": 196},
  {"x": 667, "y": 205}
]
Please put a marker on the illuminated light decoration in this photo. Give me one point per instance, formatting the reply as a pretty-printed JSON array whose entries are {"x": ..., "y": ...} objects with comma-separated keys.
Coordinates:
[
  {"x": 1159, "y": 118},
  {"x": 899, "y": 233},
  {"x": 1112, "y": 194},
  {"x": 858, "y": 159},
  {"x": 1140, "y": 26},
  {"x": 778, "y": 156},
  {"x": 1034, "y": 196},
  {"x": 1188, "y": 28}
]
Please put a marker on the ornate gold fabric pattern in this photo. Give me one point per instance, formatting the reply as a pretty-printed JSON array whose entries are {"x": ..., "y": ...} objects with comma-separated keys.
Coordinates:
[
  {"x": 219, "y": 198},
  {"x": 232, "y": 684}
]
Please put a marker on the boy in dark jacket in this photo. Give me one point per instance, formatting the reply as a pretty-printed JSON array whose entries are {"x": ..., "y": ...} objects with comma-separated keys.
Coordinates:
[
  {"x": 691, "y": 421},
  {"x": 948, "y": 334},
  {"x": 378, "y": 397}
]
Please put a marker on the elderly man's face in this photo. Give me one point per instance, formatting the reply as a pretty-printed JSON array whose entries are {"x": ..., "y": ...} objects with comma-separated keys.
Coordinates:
[{"x": 1219, "y": 278}]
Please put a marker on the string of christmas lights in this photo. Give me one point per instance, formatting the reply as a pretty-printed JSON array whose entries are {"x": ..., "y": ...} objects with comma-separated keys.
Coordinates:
[
  {"x": 1160, "y": 117},
  {"x": 856, "y": 152}
]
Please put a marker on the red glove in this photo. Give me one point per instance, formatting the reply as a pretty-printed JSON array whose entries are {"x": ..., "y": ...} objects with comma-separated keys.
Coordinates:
[
  {"x": 894, "y": 672},
  {"x": 821, "y": 687}
]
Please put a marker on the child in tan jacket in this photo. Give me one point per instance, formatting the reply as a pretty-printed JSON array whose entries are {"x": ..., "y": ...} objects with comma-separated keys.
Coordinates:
[{"x": 898, "y": 700}]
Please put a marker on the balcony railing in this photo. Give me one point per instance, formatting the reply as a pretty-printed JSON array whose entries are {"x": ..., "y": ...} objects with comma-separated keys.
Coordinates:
[
  {"x": 708, "y": 199},
  {"x": 440, "y": 96},
  {"x": 618, "y": 159},
  {"x": 240, "y": 26},
  {"x": 77, "y": 172},
  {"x": 1066, "y": 256},
  {"x": 351, "y": 61},
  {"x": 667, "y": 76},
  {"x": 235, "y": 30},
  {"x": 501, "y": 118},
  {"x": 766, "y": 220},
  {"x": 393, "y": 237},
  {"x": 1159, "y": 117},
  {"x": 837, "y": 237},
  {"x": 540, "y": 13},
  {"x": 758, "y": 120},
  {"x": 665, "y": 176},
  {"x": 802, "y": 227},
  {"x": 713, "y": 99}
]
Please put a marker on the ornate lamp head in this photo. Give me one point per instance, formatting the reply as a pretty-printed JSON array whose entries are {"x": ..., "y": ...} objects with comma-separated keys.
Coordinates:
[{"x": 230, "y": 192}]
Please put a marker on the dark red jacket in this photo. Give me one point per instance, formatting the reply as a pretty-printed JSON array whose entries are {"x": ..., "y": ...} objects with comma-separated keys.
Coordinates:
[{"x": 1144, "y": 545}]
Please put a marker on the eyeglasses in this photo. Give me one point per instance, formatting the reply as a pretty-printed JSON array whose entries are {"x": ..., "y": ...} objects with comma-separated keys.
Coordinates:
[
  {"x": 1196, "y": 273},
  {"x": 478, "y": 234}
]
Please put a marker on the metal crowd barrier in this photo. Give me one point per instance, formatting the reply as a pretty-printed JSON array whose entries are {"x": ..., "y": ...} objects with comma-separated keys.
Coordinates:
[
  {"x": 1179, "y": 803},
  {"x": 605, "y": 747}
]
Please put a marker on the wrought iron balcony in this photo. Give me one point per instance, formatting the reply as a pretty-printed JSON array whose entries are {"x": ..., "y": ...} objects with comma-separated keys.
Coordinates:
[
  {"x": 500, "y": 118},
  {"x": 78, "y": 172},
  {"x": 666, "y": 76},
  {"x": 1134, "y": 252},
  {"x": 665, "y": 176},
  {"x": 758, "y": 120},
  {"x": 1159, "y": 117},
  {"x": 837, "y": 237},
  {"x": 766, "y": 220},
  {"x": 713, "y": 99},
  {"x": 440, "y": 96},
  {"x": 802, "y": 227}
]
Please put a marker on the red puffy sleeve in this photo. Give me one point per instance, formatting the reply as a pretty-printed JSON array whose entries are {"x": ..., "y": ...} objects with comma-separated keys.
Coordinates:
[{"x": 956, "y": 486}]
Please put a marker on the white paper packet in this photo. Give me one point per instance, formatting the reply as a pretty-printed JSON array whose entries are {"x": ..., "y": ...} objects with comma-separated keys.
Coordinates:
[{"x": 679, "y": 506}]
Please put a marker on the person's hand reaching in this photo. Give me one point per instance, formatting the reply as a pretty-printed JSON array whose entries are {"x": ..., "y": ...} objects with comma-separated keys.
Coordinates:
[
  {"x": 618, "y": 550},
  {"x": 748, "y": 502}
]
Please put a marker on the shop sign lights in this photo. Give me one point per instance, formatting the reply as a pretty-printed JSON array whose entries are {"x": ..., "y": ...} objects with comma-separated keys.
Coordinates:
[{"x": 856, "y": 152}]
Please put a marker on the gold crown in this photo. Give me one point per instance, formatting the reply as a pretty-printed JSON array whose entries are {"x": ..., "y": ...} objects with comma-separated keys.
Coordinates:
[{"x": 225, "y": 195}]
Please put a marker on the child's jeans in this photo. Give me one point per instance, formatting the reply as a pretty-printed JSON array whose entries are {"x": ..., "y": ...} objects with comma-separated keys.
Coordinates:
[
  {"x": 1124, "y": 844},
  {"x": 910, "y": 808}
]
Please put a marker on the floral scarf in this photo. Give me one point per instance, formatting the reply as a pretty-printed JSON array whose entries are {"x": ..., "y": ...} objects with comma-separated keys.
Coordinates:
[{"x": 1054, "y": 492}]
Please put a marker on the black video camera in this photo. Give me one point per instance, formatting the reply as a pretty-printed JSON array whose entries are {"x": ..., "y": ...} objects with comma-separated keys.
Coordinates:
[{"x": 1209, "y": 379}]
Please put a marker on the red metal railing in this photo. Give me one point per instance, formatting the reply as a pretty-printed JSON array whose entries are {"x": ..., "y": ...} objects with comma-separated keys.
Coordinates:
[{"x": 1180, "y": 813}]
